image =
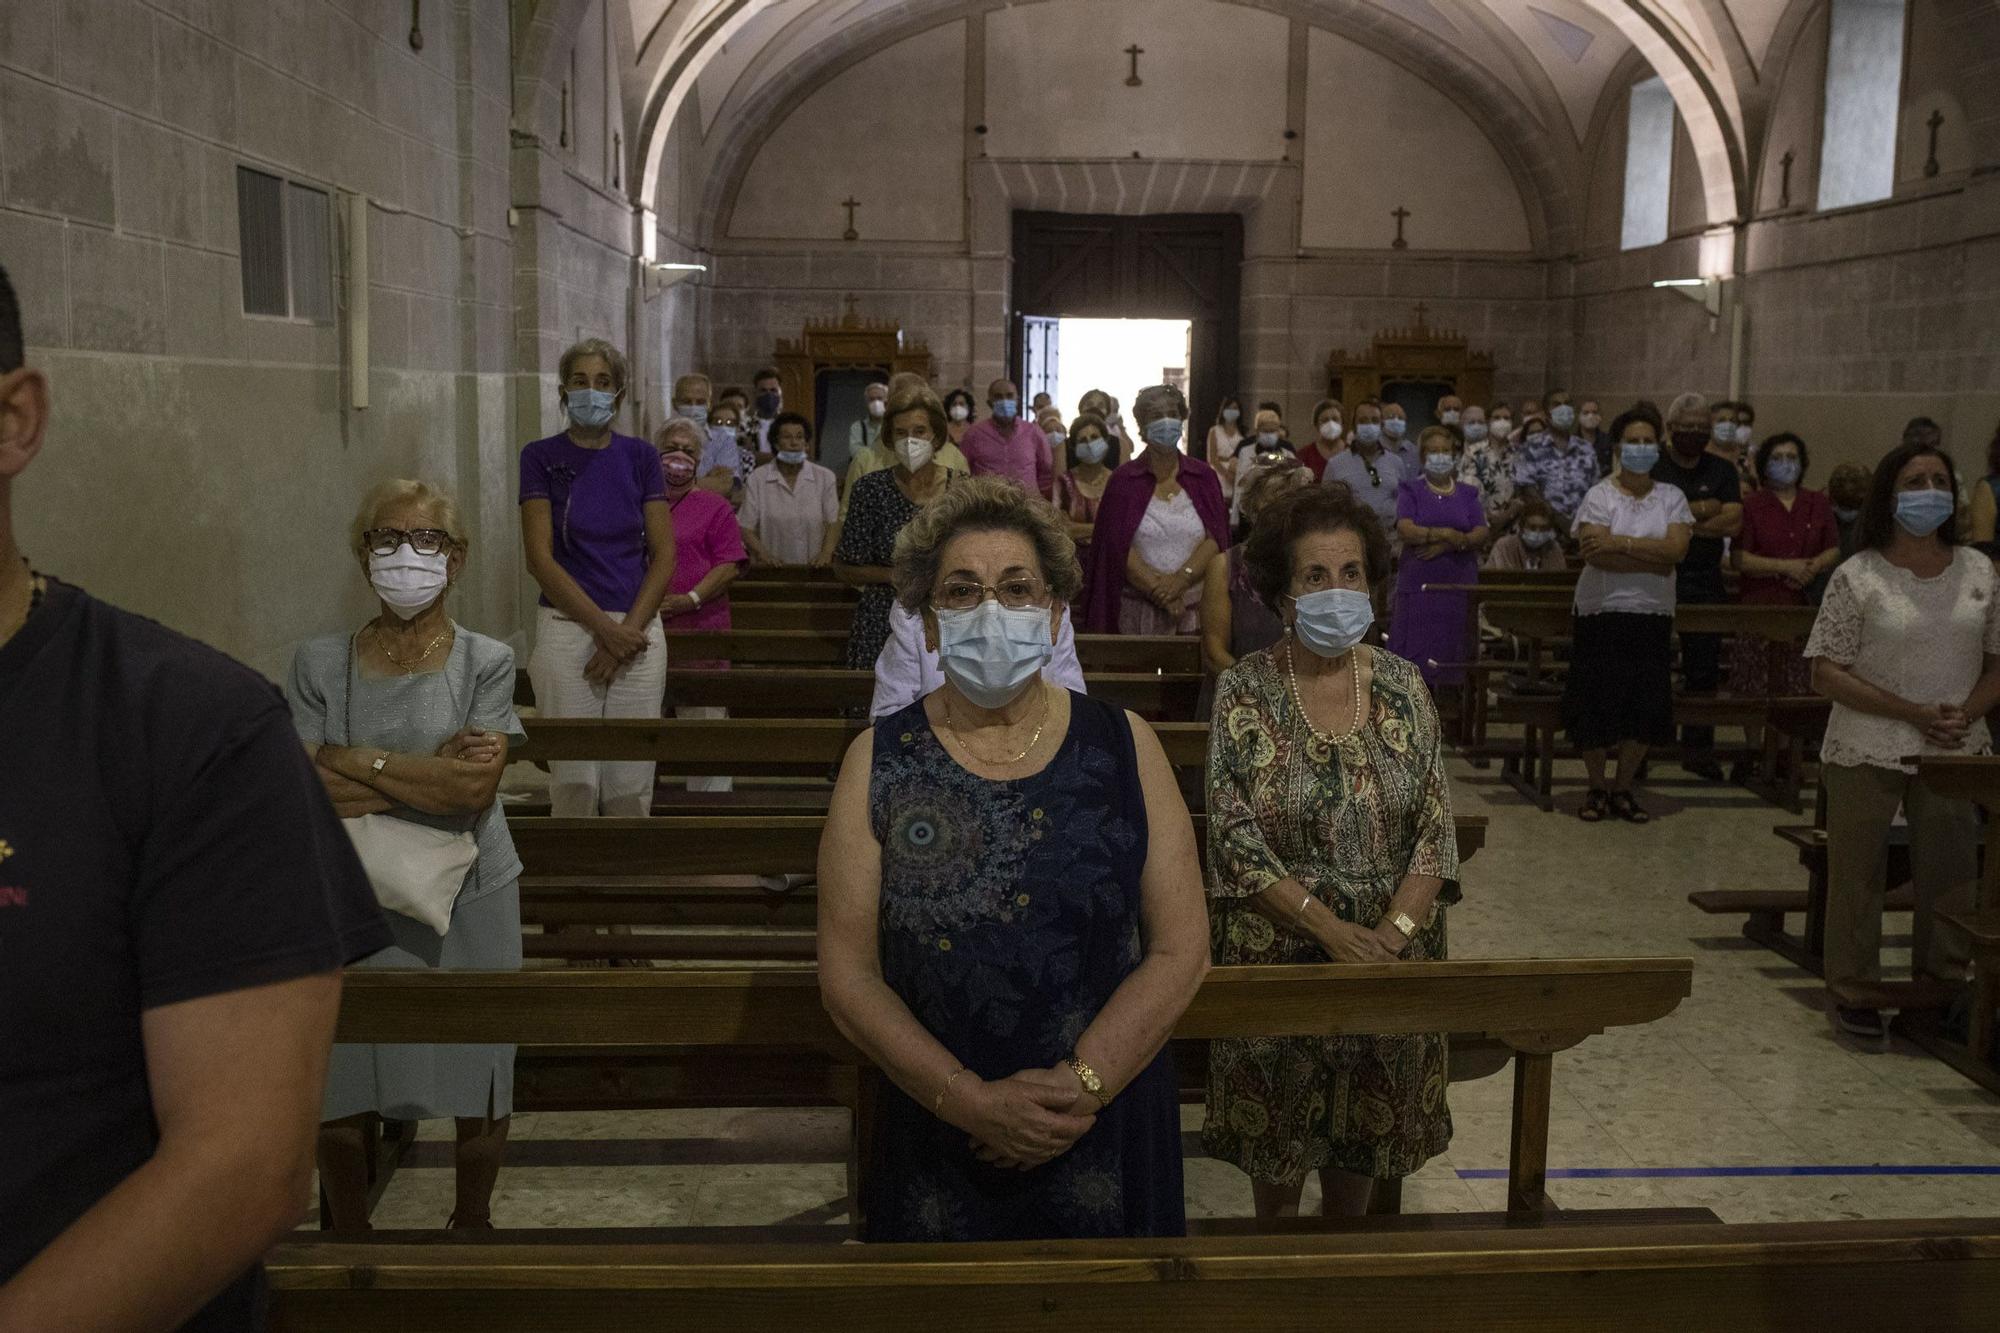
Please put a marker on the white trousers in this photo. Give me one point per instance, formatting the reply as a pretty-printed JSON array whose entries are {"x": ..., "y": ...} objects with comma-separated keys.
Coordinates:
[
  {"x": 705, "y": 711},
  {"x": 562, "y": 648}
]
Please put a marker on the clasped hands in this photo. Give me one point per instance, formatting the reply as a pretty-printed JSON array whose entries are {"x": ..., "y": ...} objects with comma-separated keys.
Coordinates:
[
  {"x": 352, "y": 798},
  {"x": 617, "y": 644},
  {"x": 1024, "y": 1120},
  {"x": 1169, "y": 592},
  {"x": 1439, "y": 541},
  {"x": 1943, "y": 725}
]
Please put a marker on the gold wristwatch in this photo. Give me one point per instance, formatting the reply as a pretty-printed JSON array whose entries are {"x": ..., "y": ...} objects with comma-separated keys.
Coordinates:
[
  {"x": 1087, "y": 1076},
  {"x": 1406, "y": 927}
]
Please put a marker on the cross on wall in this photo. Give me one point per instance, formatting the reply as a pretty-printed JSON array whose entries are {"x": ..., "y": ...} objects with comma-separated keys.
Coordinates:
[{"x": 1135, "y": 51}]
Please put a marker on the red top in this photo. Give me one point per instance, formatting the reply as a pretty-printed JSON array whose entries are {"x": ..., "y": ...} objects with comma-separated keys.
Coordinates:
[
  {"x": 1314, "y": 460},
  {"x": 1769, "y": 529}
]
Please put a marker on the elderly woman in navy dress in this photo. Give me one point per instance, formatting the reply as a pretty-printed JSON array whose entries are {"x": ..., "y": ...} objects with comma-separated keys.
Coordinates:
[
  {"x": 410, "y": 716},
  {"x": 1011, "y": 913}
]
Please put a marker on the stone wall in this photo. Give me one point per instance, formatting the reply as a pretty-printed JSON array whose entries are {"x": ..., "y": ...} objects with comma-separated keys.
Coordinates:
[{"x": 203, "y": 464}]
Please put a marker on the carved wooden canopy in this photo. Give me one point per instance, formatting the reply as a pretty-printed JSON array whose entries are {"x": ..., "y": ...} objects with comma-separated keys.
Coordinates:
[
  {"x": 847, "y": 343},
  {"x": 1417, "y": 355}
]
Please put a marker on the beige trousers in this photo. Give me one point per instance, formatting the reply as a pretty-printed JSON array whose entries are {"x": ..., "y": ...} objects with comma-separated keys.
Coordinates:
[{"x": 1861, "y": 804}]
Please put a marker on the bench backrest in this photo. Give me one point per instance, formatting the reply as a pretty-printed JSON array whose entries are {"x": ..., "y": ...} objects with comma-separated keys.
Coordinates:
[{"x": 828, "y": 648}]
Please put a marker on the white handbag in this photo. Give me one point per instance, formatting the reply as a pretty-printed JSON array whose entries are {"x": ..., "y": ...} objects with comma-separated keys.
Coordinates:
[{"x": 415, "y": 870}]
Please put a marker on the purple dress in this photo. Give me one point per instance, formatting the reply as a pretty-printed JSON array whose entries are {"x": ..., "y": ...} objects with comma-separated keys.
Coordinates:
[{"x": 1431, "y": 628}]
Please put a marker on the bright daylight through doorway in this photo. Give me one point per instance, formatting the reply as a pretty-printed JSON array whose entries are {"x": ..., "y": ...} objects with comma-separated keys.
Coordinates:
[{"x": 1119, "y": 356}]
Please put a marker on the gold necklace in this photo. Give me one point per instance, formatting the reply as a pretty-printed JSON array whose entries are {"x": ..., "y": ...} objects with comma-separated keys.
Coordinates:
[
  {"x": 409, "y": 668},
  {"x": 1298, "y": 700},
  {"x": 952, "y": 727}
]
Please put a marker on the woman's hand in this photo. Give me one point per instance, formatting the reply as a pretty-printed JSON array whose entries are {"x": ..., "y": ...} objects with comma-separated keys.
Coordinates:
[
  {"x": 1169, "y": 590},
  {"x": 474, "y": 746},
  {"x": 622, "y": 641},
  {"x": 1021, "y": 1122},
  {"x": 1346, "y": 942},
  {"x": 1943, "y": 725},
  {"x": 602, "y": 668},
  {"x": 676, "y": 604}
]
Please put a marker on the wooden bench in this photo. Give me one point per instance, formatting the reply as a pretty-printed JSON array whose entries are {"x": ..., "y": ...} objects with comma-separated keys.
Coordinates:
[
  {"x": 832, "y": 692},
  {"x": 751, "y": 747},
  {"x": 1179, "y": 653},
  {"x": 745, "y": 592},
  {"x": 825, "y": 616},
  {"x": 1534, "y": 1007},
  {"x": 1973, "y": 778},
  {"x": 1940, "y": 1276},
  {"x": 1765, "y": 909}
]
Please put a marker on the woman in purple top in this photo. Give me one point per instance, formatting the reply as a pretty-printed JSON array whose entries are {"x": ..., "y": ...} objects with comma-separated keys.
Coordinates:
[
  {"x": 1443, "y": 526},
  {"x": 599, "y": 537}
]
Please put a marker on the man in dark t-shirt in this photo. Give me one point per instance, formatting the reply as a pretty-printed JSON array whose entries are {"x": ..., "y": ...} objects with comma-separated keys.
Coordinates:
[
  {"x": 176, "y": 901},
  {"x": 1715, "y": 497}
]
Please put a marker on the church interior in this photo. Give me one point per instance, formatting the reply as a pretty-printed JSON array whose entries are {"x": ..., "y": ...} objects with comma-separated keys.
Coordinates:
[{"x": 271, "y": 254}]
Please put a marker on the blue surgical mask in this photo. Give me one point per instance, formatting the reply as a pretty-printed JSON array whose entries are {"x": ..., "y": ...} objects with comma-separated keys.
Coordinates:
[
  {"x": 590, "y": 408},
  {"x": 1092, "y": 451},
  {"x": 1563, "y": 417},
  {"x": 1783, "y": 471},
  {"x": 695, "y": 412},
  {"x": 1332, "y": 620},
  {"x": 1923, "y": 512},
  {"x": 1536, "y": 538},
  {"x": 1475, "y": 431},
  {"x": 1638, "y": 458},
  {"x": 1538, "y": 439},
  {"x": 1005, "y": 408},
  {"x": 1449, "y": 416},
  {"x": 991, "y": 652},
  {"x": 791, "y": 457},
  {"x": 1368, "y": 432},
  {"x": 1232, "y": 414},
  {"x": 1267, "y": 439},
  {"x": 1164, "y": 433},
  {"x": 768, "y": 404},
  {"x": 1440, "y": 465},
  {"x": 1394, "y": 427},
  {"x": 1844, "y": 514}
]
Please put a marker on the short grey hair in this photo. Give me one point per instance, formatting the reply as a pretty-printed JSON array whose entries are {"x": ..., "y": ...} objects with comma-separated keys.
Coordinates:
[
  {"x": 679, "y": 426},
  {"x": 1687, "y": 405},
  {"x": 1159, "y": 400},
  {"x": 983, "y": 504},
  {"x": 593, "y": 347}
]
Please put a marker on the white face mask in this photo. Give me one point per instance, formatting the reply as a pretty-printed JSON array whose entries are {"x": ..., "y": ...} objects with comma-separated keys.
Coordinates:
[
  {"x": 407, "y": 582},
  {"x": 959, "y": 411},
  {"x": 877, "y": 406},
  {"x": 914, "y": 453},
  {"x": 1329, "y": 430}
]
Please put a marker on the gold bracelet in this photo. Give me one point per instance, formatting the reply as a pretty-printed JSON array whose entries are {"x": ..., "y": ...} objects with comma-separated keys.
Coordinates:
[{"x": 937, "y": 1107}]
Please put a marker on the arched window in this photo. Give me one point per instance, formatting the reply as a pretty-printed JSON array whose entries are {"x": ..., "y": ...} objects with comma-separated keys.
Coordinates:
[
  {"x": 1649, "y": 165},
  {"x": 1864, "y": 85}
]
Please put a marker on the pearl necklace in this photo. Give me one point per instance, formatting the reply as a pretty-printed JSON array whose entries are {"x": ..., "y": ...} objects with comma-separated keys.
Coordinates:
[
  {"x": 1298, "y": 700},
  {"x": 952, "y": 727},
  {"x": 409, "y": 668}
]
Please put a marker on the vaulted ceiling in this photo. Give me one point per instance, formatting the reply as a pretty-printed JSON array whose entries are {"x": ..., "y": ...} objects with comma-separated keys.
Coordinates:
[{"x": 1542, "y": 67}]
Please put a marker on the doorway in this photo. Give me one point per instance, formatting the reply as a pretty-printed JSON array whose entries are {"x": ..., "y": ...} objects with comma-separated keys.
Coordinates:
[
  {"x": 1119, "y": 356},
  {"x": 1078, "y": 269}
]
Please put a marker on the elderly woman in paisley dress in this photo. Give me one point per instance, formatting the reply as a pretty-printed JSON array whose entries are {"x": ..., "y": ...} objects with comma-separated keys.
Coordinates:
[
  {"x": 1011, "y": 916},
  {"x": 1330, "y": 838}
]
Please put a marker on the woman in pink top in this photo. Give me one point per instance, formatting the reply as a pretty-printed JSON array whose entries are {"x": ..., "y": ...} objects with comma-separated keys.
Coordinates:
[{"x": 708, "y": 555}]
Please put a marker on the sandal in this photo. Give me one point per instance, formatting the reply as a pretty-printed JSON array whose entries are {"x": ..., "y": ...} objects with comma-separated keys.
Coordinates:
[
  {"x": 1595, "y": 806},
  {"x": 1627, "y": 809}
]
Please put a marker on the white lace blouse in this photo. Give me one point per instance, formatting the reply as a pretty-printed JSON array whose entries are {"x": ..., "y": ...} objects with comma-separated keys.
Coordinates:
[{"x": 1923, "y": 639}]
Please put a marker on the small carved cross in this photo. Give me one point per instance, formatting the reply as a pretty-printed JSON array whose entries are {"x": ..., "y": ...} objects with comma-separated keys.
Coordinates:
[
  {"x": 1931, "y": 162},
  {"x": 416, "y": 25},
  {"x": 1135, "y": 51},
  {"x": 1785, "y": 180},
  {"x": 850, "y": 204},
  {"x": 1401, "y": 215}
]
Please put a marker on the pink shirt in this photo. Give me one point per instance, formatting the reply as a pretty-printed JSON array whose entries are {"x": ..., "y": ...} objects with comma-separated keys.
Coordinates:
[
  {"x": 705, "y": 535},
  {"x": 1022, "y": 454}
]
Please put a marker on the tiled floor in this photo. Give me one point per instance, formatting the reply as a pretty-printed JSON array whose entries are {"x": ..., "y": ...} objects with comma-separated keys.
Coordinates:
[{"x": 1747, "y": 1074}]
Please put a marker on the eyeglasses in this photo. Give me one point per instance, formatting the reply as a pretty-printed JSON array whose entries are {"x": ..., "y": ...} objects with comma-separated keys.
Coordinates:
[
  {"x": 1014, "y": 594},
  {"x": 424, "y": 541},
  {"x": 1374, "y": 477}
]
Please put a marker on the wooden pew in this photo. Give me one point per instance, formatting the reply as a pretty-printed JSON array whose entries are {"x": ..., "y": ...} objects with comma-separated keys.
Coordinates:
[
  {"x": 751, "y": 747},
  {"x": 817, "y": 648},
  {"x": 822, "y": 574},
  {"x": 743, "y": 592},
  {"x": 1973, "y": 778},
  {"x": 1530, "y": 766},
  {"x": 818, "y": 617},
  {"x": 1764, "y": 909},
  {"x": 1534, "y": 1007},
  {"x": 1940, "y": 1276},
  {"x": 834, "y": 692}
]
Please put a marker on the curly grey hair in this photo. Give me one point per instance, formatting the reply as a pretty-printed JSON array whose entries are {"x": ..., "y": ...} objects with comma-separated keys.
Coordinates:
[
  {"x": 592, "y": 347},
  {"x": 1159, "y": 400},
  {"x": 983, "y": 504}
]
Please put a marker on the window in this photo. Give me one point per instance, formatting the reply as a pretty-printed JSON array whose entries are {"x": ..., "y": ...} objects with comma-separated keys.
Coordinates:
[
  {"x": 1649, "y": 165},
  {"x": 1864, "y": 77},
  {"x": 284, "y": 239}
]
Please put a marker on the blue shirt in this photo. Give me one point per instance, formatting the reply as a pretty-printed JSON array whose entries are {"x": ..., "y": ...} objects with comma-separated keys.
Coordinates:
[{"x": 1377, "y": 490}]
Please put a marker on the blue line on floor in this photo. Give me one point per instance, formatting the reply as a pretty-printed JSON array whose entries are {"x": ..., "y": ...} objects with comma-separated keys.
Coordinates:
[{"x": 1704, "y": 1172}]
